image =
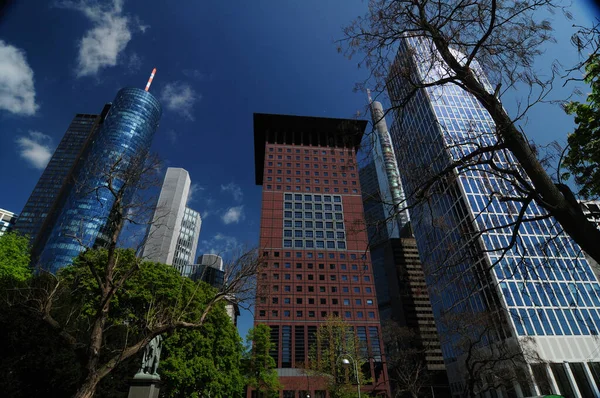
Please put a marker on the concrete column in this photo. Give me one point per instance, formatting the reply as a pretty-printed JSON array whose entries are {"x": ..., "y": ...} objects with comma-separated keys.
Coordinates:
[
  {"x": 572, "y": 380},
  {"x": 518, "y": 390},
  {"x": 590, "y": 379},
  {"x": 533, "y": 385},
  {"x": 553, "y": 384}
]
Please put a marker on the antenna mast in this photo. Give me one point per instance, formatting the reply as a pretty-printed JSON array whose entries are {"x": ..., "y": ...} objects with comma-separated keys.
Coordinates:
[{"x": 150, "y": 80}]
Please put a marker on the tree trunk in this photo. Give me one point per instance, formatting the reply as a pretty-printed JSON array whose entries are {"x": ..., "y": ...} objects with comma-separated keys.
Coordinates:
[{"x": 88, "y": 388}]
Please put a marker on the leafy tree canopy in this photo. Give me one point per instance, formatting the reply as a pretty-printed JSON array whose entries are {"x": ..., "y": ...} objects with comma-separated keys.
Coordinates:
[
  {"x": 193, "y": 361},
  {"x": 583, "y": 156},
  {"x": 259, "y": 366},
  {"x": 14, "y": 258}
]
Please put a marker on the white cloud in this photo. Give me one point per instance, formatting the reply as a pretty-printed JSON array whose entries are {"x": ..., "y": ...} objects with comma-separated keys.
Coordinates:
[
  {"x": 17, "y": 93},
  {"x": 235, "y": 190},
  {"x": 194, "y": 189},
  {"x": 233, "y": 215},
  {"x": 111, "y": 31},
  {"x": 220, "y": 244},
  {"x": 196, "y": 75},
  {"x": 35, "y": 148},
  {"x": 180, "y": 98},
  {"x": 134, "y": 63}
]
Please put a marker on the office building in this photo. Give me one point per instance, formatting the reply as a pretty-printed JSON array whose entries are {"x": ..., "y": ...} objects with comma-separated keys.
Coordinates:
[
  {"x": 210, "y": 269},
  {"x": 402, "y": 295},
  {"x": 314, "y": 244},
  {"x": 173, "y": 235},
  {"x": 7, "y": 221},
  {"x": 83, "y": 217},
  {"x": 538, "y": 299},
  {"x": 45, "y": 202}
]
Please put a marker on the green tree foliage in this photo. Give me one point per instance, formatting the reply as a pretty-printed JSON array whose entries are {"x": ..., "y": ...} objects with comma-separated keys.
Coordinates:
[
  {"x": 153, "y": 295},
  {"x": 14, "y": 258},
  {"x": 204, "y": 362},
  {"x": 582, "y": 159},
  {"x": 336, "y": 340},
  {"x": 259, "y": 366}
]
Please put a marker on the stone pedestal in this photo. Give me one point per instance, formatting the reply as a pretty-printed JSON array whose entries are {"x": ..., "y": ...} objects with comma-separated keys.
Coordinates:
[{"x": 144, "y": 386}]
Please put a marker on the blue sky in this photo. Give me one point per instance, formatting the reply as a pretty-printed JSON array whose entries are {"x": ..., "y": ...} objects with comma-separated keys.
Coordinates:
[{"x": 218, "y": 62}]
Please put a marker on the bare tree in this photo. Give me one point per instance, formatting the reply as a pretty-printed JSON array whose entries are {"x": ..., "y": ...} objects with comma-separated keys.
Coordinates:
[
  {"x": 90, "y": 326},
  {"x": 406, "y": 359},
  {"x": 504, "y": 37}
]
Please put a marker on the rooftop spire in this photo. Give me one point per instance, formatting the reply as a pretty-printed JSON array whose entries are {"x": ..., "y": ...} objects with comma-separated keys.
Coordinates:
[{"x": 150, "y": 80}]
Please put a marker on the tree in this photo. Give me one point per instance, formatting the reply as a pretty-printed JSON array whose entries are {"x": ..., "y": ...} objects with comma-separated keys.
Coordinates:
[
  {"x": 102, "y": 327},
  {"x": 204, "y": 362},
  {"x": 259, "y": 365},
  {"x": 334, "y": 341},
  {"x": 582, "y": 159},
  {"x": 14, "y": 258},
  {"x": 406, "y": 362},
  {"x": 199, "y": 360},
  {"x": 504, "y": 38}
]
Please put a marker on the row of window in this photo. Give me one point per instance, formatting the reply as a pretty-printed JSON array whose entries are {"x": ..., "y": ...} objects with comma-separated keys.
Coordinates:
[
  {"x": 298, "y": 188},
  {"x": 354, "y": 267},
  {"x": 314, "y": 151},
  {"x": 310, "y": 277},
  {"x": 341, "y": 256},
  {"x": 322, "y": 289},
  {"x": 308, "y": 181},
  {"x": 322, "y": 301},
  {"x": 307, "y": 158},
  {"x": 312, "y": 314},
  {"x": 312, "y": 244}
]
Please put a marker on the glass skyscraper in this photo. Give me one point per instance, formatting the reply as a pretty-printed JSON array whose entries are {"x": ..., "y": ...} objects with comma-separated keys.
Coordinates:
[
  {"x": 541, "y": 293},
  {"x": 48, "y": 196},
  {"x": 125, "y": 135}
]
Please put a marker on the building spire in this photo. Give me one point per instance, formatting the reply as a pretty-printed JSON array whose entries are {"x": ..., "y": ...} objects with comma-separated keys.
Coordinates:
[{"x": 150, "y": 80}]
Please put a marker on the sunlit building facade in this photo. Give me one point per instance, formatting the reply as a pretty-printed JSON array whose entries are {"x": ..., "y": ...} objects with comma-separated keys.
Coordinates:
[
  {"x": 173, "y": 234},
  {"x": 542, "y": 294},
  {"x": 314, "y": 245},
  {"x": 7, "y": 221},
  {"x": 125, "y": 136}
]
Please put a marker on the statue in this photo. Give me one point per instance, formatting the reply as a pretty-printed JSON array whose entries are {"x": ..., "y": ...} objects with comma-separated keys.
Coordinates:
[{"x": 151, "y": 357}]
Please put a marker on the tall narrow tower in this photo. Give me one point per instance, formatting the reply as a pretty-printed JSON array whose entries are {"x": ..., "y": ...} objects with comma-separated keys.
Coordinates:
[
  {"x": 125, "y": 135},
  {"x": 173, "y": 235},
  {"x": 314, "y": 244}
]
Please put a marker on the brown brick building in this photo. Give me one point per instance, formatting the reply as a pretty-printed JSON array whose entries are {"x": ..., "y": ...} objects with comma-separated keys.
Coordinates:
[{"x": 314, "y": 244}]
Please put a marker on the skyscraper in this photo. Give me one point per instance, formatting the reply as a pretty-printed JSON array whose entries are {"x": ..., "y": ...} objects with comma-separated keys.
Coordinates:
[
  {"x": 313, "y": 244},
  {"x": 173, "y": 235},
  {"x": 399, "y": 280},
  {"x": 7, "y": 221},
  {"x": 531, "y": 294},
  {"x": 45, "y": 202},
  {"x": 122, "y": 141}
]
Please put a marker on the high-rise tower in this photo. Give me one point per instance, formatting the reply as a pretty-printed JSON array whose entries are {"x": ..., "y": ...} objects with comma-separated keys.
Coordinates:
[
  {"x": 313, "y": 243},
  {"x": 121, "y": 142},
  {"x": 45, "y": 202},
  {"x": 529, "y": 294},
  {"x": 402, "y": 295},
  {"x": 173, "y": 235}
]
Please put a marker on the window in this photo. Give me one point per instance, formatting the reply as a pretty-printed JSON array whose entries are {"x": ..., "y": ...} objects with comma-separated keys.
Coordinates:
[
  {"x": 262, "y": 313},
  {"x": 323, "y": 301},
  {"x": 287, "y": 300},
  {"x": 346, "y": 301},
  {"x": 286, "y": 313},
  {"x": 369, "y": 302},
  {"x": 298, "y": 301}
]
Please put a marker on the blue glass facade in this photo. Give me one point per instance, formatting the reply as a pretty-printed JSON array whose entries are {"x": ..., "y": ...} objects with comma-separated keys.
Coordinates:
[
  {"x": 53, "y": 187},
  {"x": 537, "y": 280},
  {"x": 126, "y": 133}
]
